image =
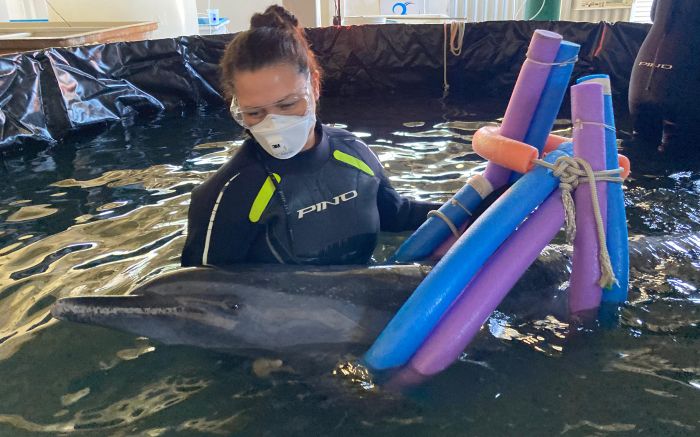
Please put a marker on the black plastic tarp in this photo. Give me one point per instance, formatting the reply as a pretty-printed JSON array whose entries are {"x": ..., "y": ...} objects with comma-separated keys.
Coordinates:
[{"x": 46, "y": 94}]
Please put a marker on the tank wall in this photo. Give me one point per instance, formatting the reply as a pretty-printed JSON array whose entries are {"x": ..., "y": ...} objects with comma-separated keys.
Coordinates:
[{"x": 57, "y": 91}]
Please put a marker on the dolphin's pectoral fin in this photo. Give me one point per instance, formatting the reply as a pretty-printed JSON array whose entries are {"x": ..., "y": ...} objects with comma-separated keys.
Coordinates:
[{"x": 263, "y": 367}]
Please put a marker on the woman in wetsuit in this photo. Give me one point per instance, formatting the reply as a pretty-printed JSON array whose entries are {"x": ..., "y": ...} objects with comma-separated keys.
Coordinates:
[{"x": 296, "y": 191}]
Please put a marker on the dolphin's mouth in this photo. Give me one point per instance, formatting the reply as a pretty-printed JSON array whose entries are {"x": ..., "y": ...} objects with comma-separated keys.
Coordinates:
[{"x": 87, "y": 309}]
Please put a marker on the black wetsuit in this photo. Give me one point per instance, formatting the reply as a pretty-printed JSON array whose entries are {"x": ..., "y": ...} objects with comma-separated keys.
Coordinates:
[
  {"x": 323, "y": 206},
  {"x": 664, "y": 92}
]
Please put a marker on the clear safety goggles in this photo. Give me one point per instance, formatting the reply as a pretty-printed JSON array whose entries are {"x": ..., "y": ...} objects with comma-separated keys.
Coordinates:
[{"x": 298, "y": 103}]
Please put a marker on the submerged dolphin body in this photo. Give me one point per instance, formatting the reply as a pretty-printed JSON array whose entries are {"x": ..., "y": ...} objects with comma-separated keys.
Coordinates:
[
  {"x": 255, "y": 307},
  {"x": 295, "y": 308}
]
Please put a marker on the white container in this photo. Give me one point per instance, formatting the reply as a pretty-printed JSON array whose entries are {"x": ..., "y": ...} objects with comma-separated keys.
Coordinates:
[
  {"x": 218, "y": 29},
  {"x": 364, "y": 19},
  {"x": 213, "y": 16},
  {"x": 174, "y": 17},
  {"x": 398, "y": 7}
]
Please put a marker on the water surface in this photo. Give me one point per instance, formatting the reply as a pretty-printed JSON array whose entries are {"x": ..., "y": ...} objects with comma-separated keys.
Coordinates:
[{"x": 102, "y": 212}]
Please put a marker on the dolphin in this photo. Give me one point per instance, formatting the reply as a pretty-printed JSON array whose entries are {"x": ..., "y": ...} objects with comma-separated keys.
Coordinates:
[
  {"x": 255, "y": 307},
  {"x": 282, "y": 308}
]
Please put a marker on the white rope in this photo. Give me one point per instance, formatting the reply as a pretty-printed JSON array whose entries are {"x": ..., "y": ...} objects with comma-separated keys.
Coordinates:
[
  {"x": 456, "y": 40},
  {"x": 445, "y": 85},
  {"x": 571, "y": 172},
  {"x": 456, "y": 37},
  {"x": 578, "y": 124},
  {"x": 456, "y": 202},
  {"x": 447, "y": 221},
  {"x": 554, "y": 64},
  {"x": 450, "y": 224}
]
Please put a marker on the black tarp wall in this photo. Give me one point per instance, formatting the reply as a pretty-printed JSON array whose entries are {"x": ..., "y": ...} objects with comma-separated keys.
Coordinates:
[{"x": 47, "y": 94}]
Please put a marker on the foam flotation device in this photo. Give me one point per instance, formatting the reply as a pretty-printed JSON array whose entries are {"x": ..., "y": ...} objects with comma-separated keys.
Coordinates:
[{"x": 664, "y": 95}]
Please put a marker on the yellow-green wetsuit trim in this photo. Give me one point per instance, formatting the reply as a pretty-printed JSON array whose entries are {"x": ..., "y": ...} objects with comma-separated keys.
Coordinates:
[
  {"x": 263, "y": 198},
  {"x": 351, "y": 160}
]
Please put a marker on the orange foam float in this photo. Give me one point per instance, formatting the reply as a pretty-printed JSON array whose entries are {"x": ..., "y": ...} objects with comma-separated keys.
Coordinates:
[{"x": 518, "y": 156}]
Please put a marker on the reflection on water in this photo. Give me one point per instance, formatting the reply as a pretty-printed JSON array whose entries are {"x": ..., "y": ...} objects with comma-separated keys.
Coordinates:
[
  {"x": 98, "y": 215},
  {"x": 108, "y": 231},
  {"x": 31, "y": 212},
  {"x": 152, "y": 399}
]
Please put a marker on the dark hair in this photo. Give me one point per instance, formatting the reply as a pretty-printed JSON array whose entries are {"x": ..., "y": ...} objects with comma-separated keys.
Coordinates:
[{"x": 274, "y": 37}]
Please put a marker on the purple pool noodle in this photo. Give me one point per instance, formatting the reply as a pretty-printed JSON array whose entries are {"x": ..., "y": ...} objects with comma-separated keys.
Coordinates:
[
  {"x": 403, "y": 378},
  {"x": 526, "y": 96},
  {"x": 489, "y": 287},
  {"x": 589, "y": 143},
  {"x": 430, "y": 301},
  {"x": 527, "y": 92}
]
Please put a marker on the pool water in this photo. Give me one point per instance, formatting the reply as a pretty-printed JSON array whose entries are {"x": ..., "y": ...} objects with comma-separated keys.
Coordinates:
[{"x": 105, "y": 210}]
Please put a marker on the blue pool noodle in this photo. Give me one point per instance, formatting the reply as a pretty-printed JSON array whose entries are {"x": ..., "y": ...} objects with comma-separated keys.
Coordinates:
[
  {"x": 420, "y": 314},
  {"x": 552, "y": 97},
  {"x": 434, "y": 230},
  {"x": 423, "y": 242},
  {"x": 618, "y": 246}
]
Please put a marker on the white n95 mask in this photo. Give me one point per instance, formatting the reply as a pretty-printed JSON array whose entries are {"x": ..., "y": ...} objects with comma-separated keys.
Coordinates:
[{"x": 283, "y": 136}]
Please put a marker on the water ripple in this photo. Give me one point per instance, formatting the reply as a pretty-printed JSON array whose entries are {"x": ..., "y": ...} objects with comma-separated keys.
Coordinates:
[{"x": 108, "y": 212}]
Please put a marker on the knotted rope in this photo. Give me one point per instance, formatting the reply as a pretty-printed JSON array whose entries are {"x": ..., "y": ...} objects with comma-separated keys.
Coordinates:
[
  {"x": 571, "y": 172},
  {"x": 448, "y": 222},
  {"x": 455, "y": 43}
]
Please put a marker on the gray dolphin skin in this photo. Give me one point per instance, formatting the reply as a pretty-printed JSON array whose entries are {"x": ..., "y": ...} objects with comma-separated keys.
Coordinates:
[
  {"x": 304, "y": 308},
  {"x": 271, "y": 307}
]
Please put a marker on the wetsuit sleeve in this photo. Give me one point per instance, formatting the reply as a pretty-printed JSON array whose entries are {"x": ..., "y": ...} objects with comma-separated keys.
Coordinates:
[
  {"x": 224, "y": 204},
  {"x": 398, "y": 213}
]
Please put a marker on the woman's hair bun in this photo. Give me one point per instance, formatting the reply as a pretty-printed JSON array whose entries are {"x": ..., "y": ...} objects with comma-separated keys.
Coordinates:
[{"x": 274, "y": 16}]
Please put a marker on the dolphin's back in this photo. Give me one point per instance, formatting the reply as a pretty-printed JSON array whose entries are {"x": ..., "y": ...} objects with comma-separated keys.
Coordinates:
[{"x": 379, "y": 287}]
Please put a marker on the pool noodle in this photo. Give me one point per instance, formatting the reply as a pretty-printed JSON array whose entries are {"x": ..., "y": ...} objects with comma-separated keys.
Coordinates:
[
  {"x": 543, "y": 48},
  {"x": 589, "y": 144},
  {"x": 423, "y": 242},
  {"x": 618, "y": 246},
  {"x": 552, "y": 97},
  {"x": 538, "y": 133},
  {"x": 489, "y": 287},
  {"x": 423, "y": 310},
  {"x": 526, "y": 96}
]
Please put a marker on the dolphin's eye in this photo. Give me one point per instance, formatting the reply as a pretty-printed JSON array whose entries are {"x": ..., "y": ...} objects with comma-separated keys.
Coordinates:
[{"x": 235, "y": 306}]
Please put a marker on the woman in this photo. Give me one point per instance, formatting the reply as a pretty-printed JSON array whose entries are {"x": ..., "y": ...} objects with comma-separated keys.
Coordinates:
[{"x": 297, "y": 191}]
